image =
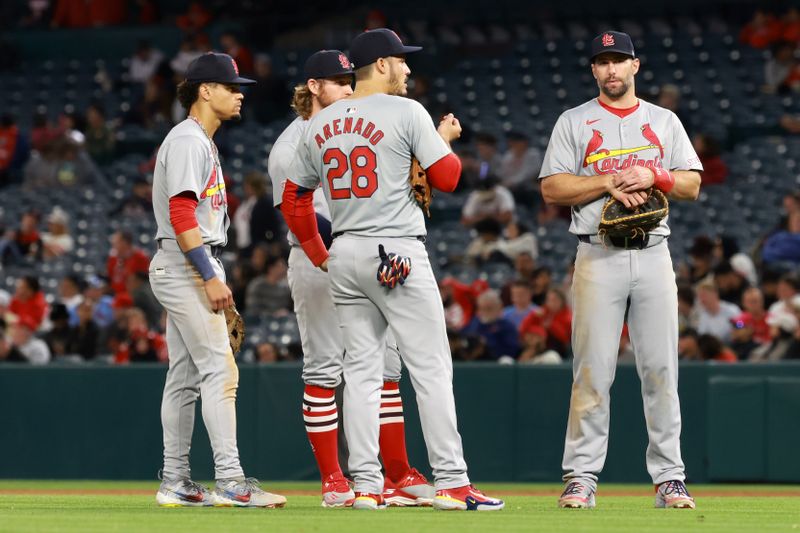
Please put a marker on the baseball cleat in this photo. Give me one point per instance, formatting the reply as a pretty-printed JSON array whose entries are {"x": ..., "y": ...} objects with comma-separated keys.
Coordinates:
[
  {"x": 412, "y": 490},
  {"x": 466, "y": 498},
  {"x": 673, "y": 495},
  {"x": 183, "y": 493},
  {"x": 336, "y": 492},
  {"x": 244, "y": 493},
  {"x": 368, "y": 502},
  {"x": 577, "y": 495}
]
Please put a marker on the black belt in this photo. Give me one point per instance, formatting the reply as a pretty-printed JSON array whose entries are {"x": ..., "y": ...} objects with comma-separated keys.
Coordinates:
[
  {"x": 628, "y": 243},
  {"x": 420, "y": 238},
  {"x": 214, "y": 249}
]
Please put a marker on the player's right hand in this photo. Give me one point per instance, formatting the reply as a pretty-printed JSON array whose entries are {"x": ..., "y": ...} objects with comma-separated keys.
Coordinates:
[
  {"x": 449, "y": 128},
  {"x": 219, "y": 295}
]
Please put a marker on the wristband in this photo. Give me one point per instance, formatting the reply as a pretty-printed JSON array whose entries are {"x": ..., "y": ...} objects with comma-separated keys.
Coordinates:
[
  {"x": 663, "y": 180},
  {"x": 199, "y": 259}
]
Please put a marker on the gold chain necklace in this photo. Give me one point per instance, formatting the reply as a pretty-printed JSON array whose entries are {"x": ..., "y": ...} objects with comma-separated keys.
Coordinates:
[{"x": 214, "y": 150}]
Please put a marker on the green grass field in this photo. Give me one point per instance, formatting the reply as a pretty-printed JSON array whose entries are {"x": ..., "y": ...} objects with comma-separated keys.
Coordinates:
[{"x": 99, "y": 506}]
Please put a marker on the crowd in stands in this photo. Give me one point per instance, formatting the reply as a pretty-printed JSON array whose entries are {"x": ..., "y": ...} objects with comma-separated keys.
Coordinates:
[{"x": 734, "y": 305}]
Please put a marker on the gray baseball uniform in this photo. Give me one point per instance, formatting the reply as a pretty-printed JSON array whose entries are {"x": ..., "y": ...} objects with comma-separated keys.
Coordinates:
[
  {"x": 590, "y": 140},
  {"x": 200, "y": 359},
  {"x": 323, "y": 347},
  {"x": 360, "y": 149}
]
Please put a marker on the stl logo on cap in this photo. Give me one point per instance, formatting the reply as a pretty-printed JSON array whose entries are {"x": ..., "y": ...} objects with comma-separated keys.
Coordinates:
[
  {"x": 344, "y": 61},
  {"x": 235, "y": 66},
  {"x": 608, "y": 40}
]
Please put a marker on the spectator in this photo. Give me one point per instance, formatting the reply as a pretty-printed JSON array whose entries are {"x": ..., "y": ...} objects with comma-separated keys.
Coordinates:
[
  {"x": 70, "y": 294},
  {"x": 270, "y": 94},
  {"x": 154, "y": 109},
  {"x": 521, "y": 304},
  {"x": 711, "y": 349},
  {"x": 486, "y": 162},
  {"x": 267, "y": 353},
  {"x": 196, "y": 18},
  {"x": 731, "y": 284},
  {"x": 57, "y": 338},
  {"x": 24, "y": 244},
  {"x": 499, "y": 335},
  {"x": 534, "y": 346},
  {"x": 754, "y": 315},
  {"x": 715, "y": 171},
  {"x": 138, "y": 286},
  {"x": 714, "y": 315},
  {"x": 791, "y": 25},
  {"x": 33, "y": 349},
  {"x": 57, "y": 241},
  {"x": 97, "y": 291},
  {"x": 784, "y": 246},
  {"x": 100, "y": 138},
  {"x": 246, "y": 271},
  {"x": 124, "y": 259},
  {"x": 688, "y": 348},
  {"x": 669, "y": 97},
  {"x": 788, "y": 287},
  {"x": 142, "y": 344},
  {"x": 137, "y": 204},
  {"x": 144, "y": 63},
  {"x": 780, "y": 70},
  {"x": 541, "y": 280},
  {"x": 490, "y": 200},
  {"x": 241, "y": 54},
  {"x": 28, "y": 303},
  {"x": 84, "y": 336},
  {"x": 701, "y": 260},
  {"x": 188, "y": 52},
  {"x": 70, "y": 14},
  {"x": 484, "y": 247},
  {"x": 762, "y": 30},
  {"x": 8, "y": 352},
  {"x": 557, "y": 319},
  {"x": 43, "y": 133},
  {"x": 256, "y": 220},
  {"x": 524, "y": 270},
  {"x": 14, "y": 150},
  {"x": 784, "y": 333},
  {"x": 269, "y": 294},
  {"x": 685, "y": 307},
  {"x": 519, "y": 167},
  {"x": 518, "y": 239},
  {"x": 458, "y": 300}
]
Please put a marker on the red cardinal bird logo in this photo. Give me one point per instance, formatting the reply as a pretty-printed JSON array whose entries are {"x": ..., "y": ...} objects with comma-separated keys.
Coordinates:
[
  {"x": 594, "y": 144},
  {"x": 652, "y": 138}
]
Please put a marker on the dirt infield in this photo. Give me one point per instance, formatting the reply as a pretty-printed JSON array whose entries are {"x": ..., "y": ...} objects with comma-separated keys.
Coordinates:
[{"x": 544, "y": 492}]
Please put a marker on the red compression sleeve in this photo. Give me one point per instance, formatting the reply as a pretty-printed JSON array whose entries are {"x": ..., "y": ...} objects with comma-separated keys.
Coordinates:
[
  {"x": 298, "y": 210},
  {"x": 663, "y": 179},
  {"x": 181, "y": 212},
  {"x": 444, "y": 174}
]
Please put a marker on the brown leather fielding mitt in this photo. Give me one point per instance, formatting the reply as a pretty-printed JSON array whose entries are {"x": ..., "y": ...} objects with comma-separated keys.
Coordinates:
[
  {"x": 235, "y": 328},
  {"x": 420, "y": 186},
  {"x": 616, "y": 220}
]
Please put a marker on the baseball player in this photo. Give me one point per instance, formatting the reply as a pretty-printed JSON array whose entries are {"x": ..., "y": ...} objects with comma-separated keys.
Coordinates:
[
  {"x": 329, "y": 75},
  {"x": 188, "y": 279},
  {"x": 360, "y": 148},
  {"x": 620, "y": 146}
]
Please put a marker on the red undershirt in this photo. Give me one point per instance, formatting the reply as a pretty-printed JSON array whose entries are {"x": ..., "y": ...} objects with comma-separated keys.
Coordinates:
[{"x": 621, "y": 113}]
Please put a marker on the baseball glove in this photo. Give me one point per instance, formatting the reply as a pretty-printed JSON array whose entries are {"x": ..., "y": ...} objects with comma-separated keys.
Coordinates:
[
  {"x": 393, "y": 269},
  {"x": 420, "y": 186},
  {"x": 616, "y": 220},
  {"x": 235, "y": 328}
]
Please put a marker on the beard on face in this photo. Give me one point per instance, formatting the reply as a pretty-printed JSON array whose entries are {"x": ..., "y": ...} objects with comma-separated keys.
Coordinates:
[{"x": 615, "y": 93}]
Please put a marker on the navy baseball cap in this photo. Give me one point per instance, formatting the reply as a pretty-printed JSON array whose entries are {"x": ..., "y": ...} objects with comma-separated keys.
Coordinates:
[
  {"x": 216, "y": 67},
  {"x": 612, "y": 41},
  {"x": 367, "y": 47},
  {"x": 327, "y": 64}
]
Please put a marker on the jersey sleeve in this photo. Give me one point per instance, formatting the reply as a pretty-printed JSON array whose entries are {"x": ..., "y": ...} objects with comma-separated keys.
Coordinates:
[
  {"x": 683, "y": 155},
  {"x": 186, "y": 163},
  {"x": 301, "y": 170},
  {"x": 426, "y": 143},
  {"x": 560, "y": 155},
  {"x": 278, "y": 167}
]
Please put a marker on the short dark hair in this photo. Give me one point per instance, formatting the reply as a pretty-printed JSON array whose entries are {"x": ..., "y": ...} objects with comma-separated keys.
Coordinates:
[
  {"x": 188, "y": 92},
  {"x": 791, "y": 279},
  {"x": 521, "y": 283},
  {"x": 126, "y": 235},
  {"x": 686, "y": 293},
  {"x": 32, "y": 282}
]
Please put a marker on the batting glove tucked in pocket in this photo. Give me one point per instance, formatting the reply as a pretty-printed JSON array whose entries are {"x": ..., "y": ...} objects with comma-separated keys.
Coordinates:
[{"x": 393, "y": 269}]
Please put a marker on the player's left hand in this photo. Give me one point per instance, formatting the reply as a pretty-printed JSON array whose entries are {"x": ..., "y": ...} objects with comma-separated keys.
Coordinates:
[{"x": 633, "y": 179}]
